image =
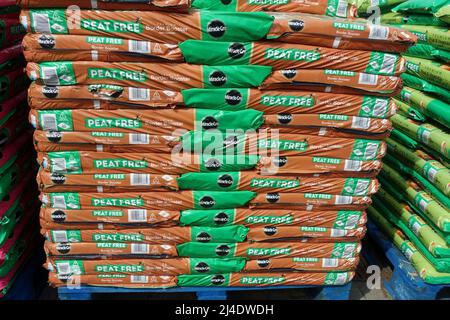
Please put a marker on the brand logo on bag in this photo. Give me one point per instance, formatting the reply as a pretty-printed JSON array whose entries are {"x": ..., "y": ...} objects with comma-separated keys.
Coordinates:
[
  {"x": 233, "y": 97},
  {"x": 270, "y": 231},
  {"x": 222, "y": 250},
  {"x": 226, "y": 2},
  {"x": 236, "y": 50},
  {"x": 58, "y": 178},
  {"x": 221, "y": 218},
  {"x": 54, "y": 136},
  {"x": 289, "y": 73},
  {"x": 263, "y": 263},
  {"x": 213, "y": 164},
  {"x": 217, "y": 78},
  {"x": 225, "y": 181},
  {"x": 279, "y": 161},
  {"x": 217, "y": 280},
  {"x": 202, "y": 267},
  {"x": 58, "y": 216},
  {"x": 207, "y": 202},
  {"x": 46, "y": 41},
  {"x": 296, "y": 25},
  {"x": 284, "y": 118},
  {"x": 63, "y": 248},
  {"x": 50, "y": 92},
  {"x": 273, "y": 197},
  {"x": 209, "y": 123},
  {"x": 203, "y": 237},
  {"x": 216, "y": 28},
  {"x": 230, "y": 142}
]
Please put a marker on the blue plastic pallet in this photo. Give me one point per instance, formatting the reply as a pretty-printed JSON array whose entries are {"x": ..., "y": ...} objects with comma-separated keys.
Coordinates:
[
  {"x": 203, "y": 293},
  {"x": 405, "y": 283}
]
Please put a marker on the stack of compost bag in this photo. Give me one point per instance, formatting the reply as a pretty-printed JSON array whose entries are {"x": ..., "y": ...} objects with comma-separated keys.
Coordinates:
[
  {"x": 207, "y": 148},
  {"x": 18, "y": 191},
  {"x": 413, "y": 204}
]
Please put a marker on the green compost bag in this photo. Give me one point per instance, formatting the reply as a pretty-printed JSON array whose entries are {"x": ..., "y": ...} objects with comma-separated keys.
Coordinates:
[
  {"x": 438, "y": 37},
  {"x": 402, "y": 138},
  {"x": 425, "y": 86},
  {"x": 408, "y": 111},
  {"x": 414, "y": 19},
  {"x": 432, "y": 170},
  {"x": 425, "y": 133},
  {"x": 424, "y": 268},
  {"x": 417, "y": 198},
  {"x": 12, "y": 257},
  {"x": 431, "y": 107},
  {"x": 421, "y": 6},
  {"x": 433, "y": 243},
  {"x": 223, "y": 199},
  {"x": 363, "y": 6},
  {"x": 419, "y": 179},
  {"x": 431, "y": 71},
  {"x": 444, "y": 14},
  {"x": 426, "y": 51},
  {"x": 9, "y": 221}
]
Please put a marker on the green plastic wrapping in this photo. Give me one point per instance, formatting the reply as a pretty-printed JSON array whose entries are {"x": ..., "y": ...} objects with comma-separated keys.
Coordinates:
[
  {"x": 425, "y": 134},
  {"x": 424, "y": 268},
  {"x": 444, "y": 14},
  {"x": 414, "y": 19},
  {"x": 12, "y": 257},
  {"x": 427, "y": 51},
  {"x": 409, "y": 111},
  {"x": 431, "y": 107},
  {"x": 399, "y": 136},
  {"x": 438, "y": 37},
  {"x": 418, "y": 178},
  {"x": 224, "y": 200},
  {"x": 9, "y": 221},
  {"x": 413, "y": 223},
  {"x": 421, "y": 6},
  {"x": 431, "y": 71},
  {"x": 417, "y": 198},
  {"x": 384, "y": 5},
  {"x": 425, "y": 86}
]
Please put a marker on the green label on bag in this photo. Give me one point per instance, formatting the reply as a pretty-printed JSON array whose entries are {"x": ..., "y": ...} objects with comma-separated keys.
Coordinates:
[
  {"x": 374, "y": 107},
  {"x": 104, "y": 40},
  {"x": 48, "y": 21},
  {"x": 119, "y": 164},
  {"x": 55, "y": 120},
  {"x": 57, "y": 73},
  {"x": 349, "y": 26},
  {"x": 356, "y": 187},
  {"x": 287, "y": 101},
  {"x": 313, "y": 229},
  {"x": 102, "y": 123},
  {"x": 412, "y": 67},
  {"x": 347, "y": 219},
  {"x": 415, "y": 225},
  {"x": 121, "y": 268},
  {"x": 117, "y": 237},
  {"x": 117, "y": 202},
  {"x": 431, "y": 168},
  {"x": 339, "y": 73},
  {"x": 274, "y": 183},
  {"x": 344, "y": 250},
  {"x": 382, "y": 63},
  {"x": 423, "y": 134},
  {"x": 64, "y": 200},
  {"x": 334, "y": 117},
  {"x": 117, "y": 74},
  {"x": 108, "y": 134},
  {"x": 261, "y": 280},
  {"x": 287, "y": 219},
  {"x": 111, "y": 26},
  {"x": 267, "y": 2},
  {"x": 318, "y": 196},
  {"x": 282, "y": 144},
  {"x": 70, "y": 267},
  {"x": 109, "y": 176},
  {"x": 107, "y": 213},
  {"x": 365, "y": 149},
  {"x": 259, "y": 252},
  {"x": 63, "y": 236},
  {"x": 336, "y": 8},
  {"x": 422, "y": 200},
  {"x": 297, "y": 259},
  {"x": 65, "y": 161},
  {"x": 336, "y": 278},
  {"x": 326, "y": 160},
  {"x": 111, "y": 245},
  {"x": 292, "y": 54},
  {"x": 407, "y": 250}
]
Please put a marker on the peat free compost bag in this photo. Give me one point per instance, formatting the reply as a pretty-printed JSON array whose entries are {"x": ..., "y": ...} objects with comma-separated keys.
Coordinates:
[
  {"x": 407, "y": 111},
  {"x": 172, "y": 235},
  {"x": 77, "y": 162},
  {"x": 149, "y": 75},
  {"x": 435, "y": 36},
  {"x": 154, "y": 5},
  {"x": 149, "y": 200},
  {"x": 434, "y": 72},
  {"x": 144, "y": 121},
  {"x": 423, "y": 267},
  {"x": 333, "y": 8},
  {"x": 150, "y": 25},
  {"x": 292, "y": 56},
  {"x": 413, "y": 19},
  {"x": 255, "y": 182},
  {"x": 422, "y": 85},
  {"x": 428, "y": 105},
  {"x": 426, "y": 51}
]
